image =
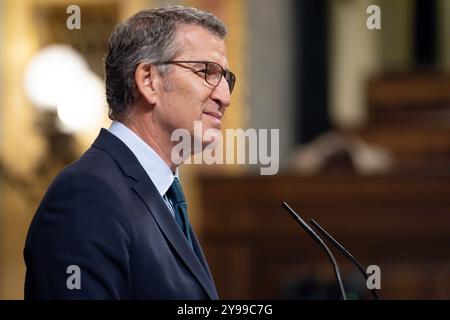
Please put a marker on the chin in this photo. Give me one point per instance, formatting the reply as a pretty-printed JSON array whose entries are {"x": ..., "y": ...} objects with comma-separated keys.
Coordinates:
[
  {"x": 211, "y": 136},
  {"x": 209, "y": 122}
]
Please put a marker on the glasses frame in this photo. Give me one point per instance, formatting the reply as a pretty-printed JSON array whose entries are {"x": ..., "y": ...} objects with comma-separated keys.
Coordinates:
[{"x": 229, "y": 76}]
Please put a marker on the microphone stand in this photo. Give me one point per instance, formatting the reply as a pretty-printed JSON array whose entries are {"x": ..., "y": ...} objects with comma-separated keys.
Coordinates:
[{"x": 322, "y": 244}]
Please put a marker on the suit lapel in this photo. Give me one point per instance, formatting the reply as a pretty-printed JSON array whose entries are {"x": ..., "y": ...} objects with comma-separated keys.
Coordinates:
[
  {"x": 170, "y": 229},
  {"x": 146, "y": 190}
]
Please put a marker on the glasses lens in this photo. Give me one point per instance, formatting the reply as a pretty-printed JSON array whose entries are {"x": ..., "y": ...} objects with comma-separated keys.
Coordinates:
[
  {"x": 231, "y": 80},
  {"x": 213, "y": 73}
]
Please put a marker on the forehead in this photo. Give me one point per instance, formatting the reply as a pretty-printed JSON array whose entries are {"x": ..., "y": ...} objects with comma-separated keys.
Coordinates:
[{"x": 197, "y": 43}]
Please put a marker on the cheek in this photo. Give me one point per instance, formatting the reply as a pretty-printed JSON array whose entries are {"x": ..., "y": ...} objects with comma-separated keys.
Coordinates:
[
  {"x": 189, "y": 110},
  {"x": 192, "y": 105},
  {"x": 185, "y": 102},
  {"x": 185, "y": 111}
]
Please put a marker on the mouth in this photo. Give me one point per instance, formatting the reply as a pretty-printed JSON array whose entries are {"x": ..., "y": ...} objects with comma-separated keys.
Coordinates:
[
  {"x": 213, "y": 114},
  {"x": 215, "y": 117}
]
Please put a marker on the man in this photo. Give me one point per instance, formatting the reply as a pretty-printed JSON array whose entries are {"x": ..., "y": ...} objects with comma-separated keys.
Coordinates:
[{"x": 114, "y": 224}]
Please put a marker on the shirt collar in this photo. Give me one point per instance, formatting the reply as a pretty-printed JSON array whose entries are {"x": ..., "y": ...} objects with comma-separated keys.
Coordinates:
[{"x": 155, "y": 167}]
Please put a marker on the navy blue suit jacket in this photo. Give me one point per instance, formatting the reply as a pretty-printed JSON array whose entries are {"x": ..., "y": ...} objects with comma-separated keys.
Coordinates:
[{"x": 104, "y": 215}]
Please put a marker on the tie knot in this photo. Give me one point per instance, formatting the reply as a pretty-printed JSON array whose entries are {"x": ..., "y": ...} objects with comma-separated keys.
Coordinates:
[{"x": 175, "y": 192}]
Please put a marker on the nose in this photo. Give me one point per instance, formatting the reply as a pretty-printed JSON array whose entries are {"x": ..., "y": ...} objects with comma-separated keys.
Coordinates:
[{"x": 221, "y": 93}]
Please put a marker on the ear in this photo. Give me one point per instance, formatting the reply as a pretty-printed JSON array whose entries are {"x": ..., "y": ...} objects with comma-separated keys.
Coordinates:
[{"x": 147, "y": 80}]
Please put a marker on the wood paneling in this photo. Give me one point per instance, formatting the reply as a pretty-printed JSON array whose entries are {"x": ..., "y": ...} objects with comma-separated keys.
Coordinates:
[{"x": 399, "y": 222}]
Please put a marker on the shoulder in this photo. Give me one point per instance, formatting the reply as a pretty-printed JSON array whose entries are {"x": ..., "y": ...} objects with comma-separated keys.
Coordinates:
[
  {"x": 83, "y": 221},
  {"x": 93, "y": 183}
]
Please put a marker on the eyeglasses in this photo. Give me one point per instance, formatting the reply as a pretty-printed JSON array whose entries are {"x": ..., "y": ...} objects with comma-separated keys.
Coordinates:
[{"x": 212, "y": 73}]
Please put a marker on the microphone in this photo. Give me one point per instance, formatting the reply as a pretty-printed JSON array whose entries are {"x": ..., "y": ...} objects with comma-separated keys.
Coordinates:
[
  {"x": 314, "y": 235},
  {"x": 345, "y": 252}
]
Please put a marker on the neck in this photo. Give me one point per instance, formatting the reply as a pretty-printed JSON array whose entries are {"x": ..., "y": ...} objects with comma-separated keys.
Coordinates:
[{"x": 144, "y": 128}]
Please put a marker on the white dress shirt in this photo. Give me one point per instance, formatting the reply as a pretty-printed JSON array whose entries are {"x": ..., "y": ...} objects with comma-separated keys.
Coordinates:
[{"x": 155, "y": 167}]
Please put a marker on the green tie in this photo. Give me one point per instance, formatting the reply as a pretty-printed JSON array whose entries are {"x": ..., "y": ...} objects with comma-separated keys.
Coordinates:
[{"x": 175, "y": 194}]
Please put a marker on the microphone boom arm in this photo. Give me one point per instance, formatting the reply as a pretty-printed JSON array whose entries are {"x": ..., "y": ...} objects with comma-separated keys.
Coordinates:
[
  {"x": 345, "y": 252},
  {"x": 314, "y": 235}
]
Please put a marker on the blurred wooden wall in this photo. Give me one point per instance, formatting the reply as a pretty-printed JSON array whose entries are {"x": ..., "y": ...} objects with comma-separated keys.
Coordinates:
[{"x": 398, "y": 222}]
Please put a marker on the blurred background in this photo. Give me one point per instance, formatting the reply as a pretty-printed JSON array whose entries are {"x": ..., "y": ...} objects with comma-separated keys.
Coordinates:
[{"x": 364, "y": 120}]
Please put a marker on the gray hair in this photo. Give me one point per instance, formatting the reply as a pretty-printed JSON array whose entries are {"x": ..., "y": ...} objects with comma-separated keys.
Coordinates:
[{"x": 146, "y": 36}]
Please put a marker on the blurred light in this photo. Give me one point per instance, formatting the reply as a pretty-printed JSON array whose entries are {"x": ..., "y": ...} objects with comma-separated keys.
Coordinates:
[
  {"x": 83, "y": 107},
  {"x": 58, "y": 78},
  {"x": 50, "y": 71}
]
